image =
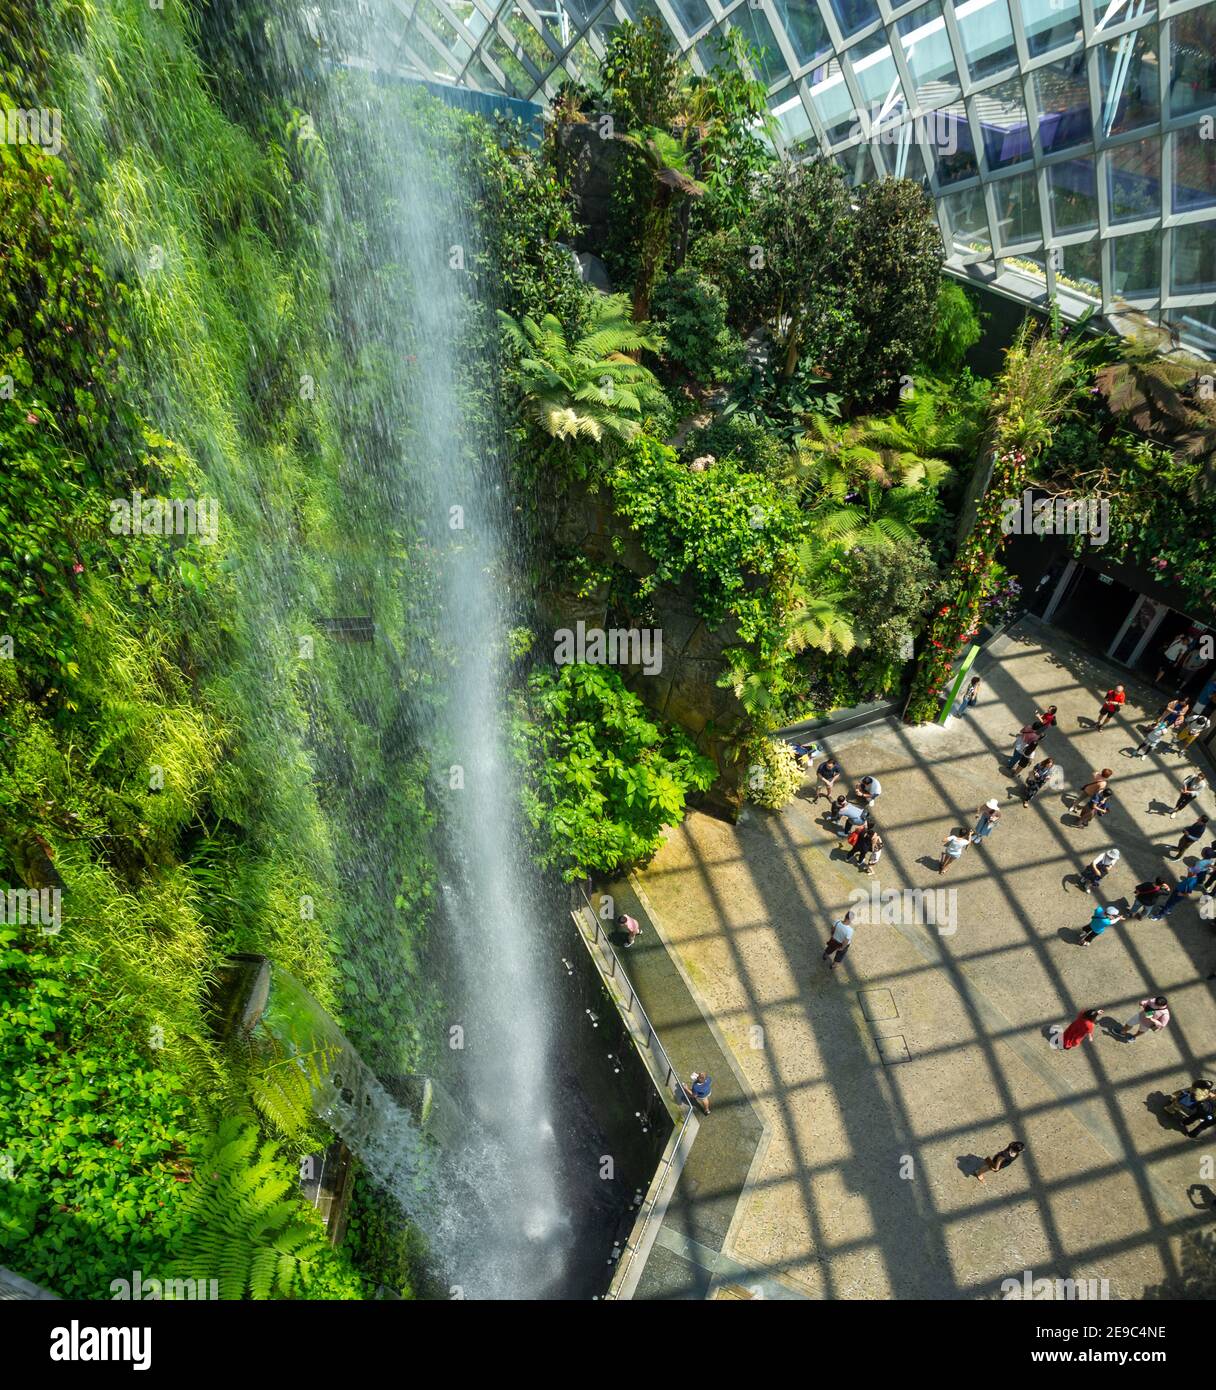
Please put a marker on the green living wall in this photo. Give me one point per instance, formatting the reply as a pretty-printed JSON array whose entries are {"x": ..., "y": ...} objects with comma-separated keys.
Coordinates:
[{"x": 189, "y": 752}]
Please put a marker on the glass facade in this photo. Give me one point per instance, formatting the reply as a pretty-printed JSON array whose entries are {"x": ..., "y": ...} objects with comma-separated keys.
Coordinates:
[{"x": 1068, "y": 143}]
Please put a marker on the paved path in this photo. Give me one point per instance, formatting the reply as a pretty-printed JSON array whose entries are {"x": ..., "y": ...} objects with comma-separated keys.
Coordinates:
[{"x": 862, "y": 1190}]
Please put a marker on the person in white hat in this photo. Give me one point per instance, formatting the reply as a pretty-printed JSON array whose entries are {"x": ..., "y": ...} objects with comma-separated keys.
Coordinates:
[
  {"x": 1096, "y": 871},
  {"x": 989, "y": 814}
]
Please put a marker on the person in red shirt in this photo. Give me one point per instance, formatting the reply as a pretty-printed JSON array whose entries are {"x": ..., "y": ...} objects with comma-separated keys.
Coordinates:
[
  {"x": 1114, "y": 698},
  {"x": 1081, "y": 1028}
]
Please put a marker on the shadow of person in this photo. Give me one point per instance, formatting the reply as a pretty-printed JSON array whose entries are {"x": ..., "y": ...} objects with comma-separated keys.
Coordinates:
[
  {"x": 1159, "y": 808},
  {"x": 1201, "y": 1196},
  {"x": 1077, "y": 879},
  {"x": 1155, "y": 1103},
  {"x": 927, "y": 861},
  {"x": 969, "y": 1165},
  {"x": 1072, "y": 935},
  {"x": 1112, "y": 1028}
]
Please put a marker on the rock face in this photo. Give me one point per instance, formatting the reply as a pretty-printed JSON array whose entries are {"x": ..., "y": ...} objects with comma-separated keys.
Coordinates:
[
  {"x": 685, "y": 691},
  {"x": 589, "y": 162}
]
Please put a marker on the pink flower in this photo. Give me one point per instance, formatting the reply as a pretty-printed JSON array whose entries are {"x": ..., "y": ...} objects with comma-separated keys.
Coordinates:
[
  {"x": 77, "y": 568},
  {"x": 30, "y": 418}
]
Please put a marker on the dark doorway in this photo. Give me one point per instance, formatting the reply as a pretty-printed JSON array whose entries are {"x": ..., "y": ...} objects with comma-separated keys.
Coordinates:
[{"x": 1094, "y": 608}]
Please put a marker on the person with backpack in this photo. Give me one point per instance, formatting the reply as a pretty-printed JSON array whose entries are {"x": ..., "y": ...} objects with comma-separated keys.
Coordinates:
[
  {"x": 969, "y": 697},
  {"x": 1110, "y": 704},
  {"x": 859, "y": 847},
  {"x": 1097, "y": 805},
  {"x": 1191, "y": 837},
  {"x": 1039, "y": 777},
  {"x": 1097, "y": 869},
  {"x": 1148, "y": 894},
  {"x": 1023, "y": 748},
  {"x": 1191, "y": 788},
  {"x": 876, "y": 848},
  {"x": 1102, "y": 918},
  {"x": 1154, "y": 1015}
]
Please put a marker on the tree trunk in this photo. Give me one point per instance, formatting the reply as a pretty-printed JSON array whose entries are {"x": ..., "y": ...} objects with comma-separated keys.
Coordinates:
[
  {"x": 790, "y": 365},
  {"x": 655, "y": 235}
]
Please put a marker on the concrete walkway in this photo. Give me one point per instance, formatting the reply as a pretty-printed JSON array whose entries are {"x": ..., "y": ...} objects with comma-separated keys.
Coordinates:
[{"x": 884, "y": 1083}]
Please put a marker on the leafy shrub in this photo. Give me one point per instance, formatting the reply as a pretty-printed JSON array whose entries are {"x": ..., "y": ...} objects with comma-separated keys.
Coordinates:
[
  {"x": 743, "y": 437},
  {"x": 955, "y": 330},
  {"x": 773, "y": 775},
  {"x": 693, "y": 312},
  {"x": 600, "y": 778}
]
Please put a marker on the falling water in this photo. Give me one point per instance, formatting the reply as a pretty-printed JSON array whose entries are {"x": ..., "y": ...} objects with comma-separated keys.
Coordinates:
[{"x": 502, "y": 1231}]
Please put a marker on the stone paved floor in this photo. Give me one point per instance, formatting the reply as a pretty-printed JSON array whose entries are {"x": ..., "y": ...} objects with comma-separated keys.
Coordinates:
[{"x": 862, "y": 1191}]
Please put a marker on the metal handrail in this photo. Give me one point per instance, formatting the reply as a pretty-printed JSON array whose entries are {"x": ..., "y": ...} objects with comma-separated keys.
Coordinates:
[
  {"x": 617, "y": 972},
  {"x": 652, "y": 1202}
]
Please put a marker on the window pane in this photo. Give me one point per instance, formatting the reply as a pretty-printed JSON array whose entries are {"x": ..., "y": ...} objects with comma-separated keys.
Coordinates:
[
  {"x": 968, "y": 221},
  {"x": 877, "y": 79},
  {"x": 1192, "y": 72},
  {"x": 1137, "y": 265},
  {"x": 791, "y": 117},
  {"x": 1050, "y": 24},
  {"x": 1002, "y": 116},
  {"x": 1062, "y": 96},
  {"x": 1017, "y": 210},
  {"x": 754, "y": 26},
  {"x": 1134, "y": 181},
  {"x": 1081, "y": 268},
  {"x": 805, "y": 27},
  {"x": 832, "y": 102},
  {"x": 1194, "y": 170},
  {"x": 1128, "y": 80},
  {"x": 1074, "y": 195},
  {"x": 927, "y": 52},
  {"x": 1194, "y": 266},
  {"x": 986, "y": 34},
  {"x": 854, "y": 15},
  {"x": 694, "y": 15}
]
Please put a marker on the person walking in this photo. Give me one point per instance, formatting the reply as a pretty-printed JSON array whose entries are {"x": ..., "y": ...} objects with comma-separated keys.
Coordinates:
[
  {"x": 989, "y": 814},
  {"x": 1195, "y": 727},
  {"x": 1102, "y": 918},
  {"x": 1001, "y": 1160},
  {"x": 1190, "y": 837},
  {"x": 1080, "y": 1029},
  {"x": 630, "y": 926},
  {"x": 827, "y": 773},
  {"x": 1151, "y": 740},
  {"x": 1191, "y": 788},
  {"x": 698, "y": 1088},
  {"x": 1110, "y": 705},
  {"x": 1097, "y": 805},
  {"x": 1154, "y": 1015},
  {"x": 952, "y": 848},
  {"x": 1039, "y": 777},
  {"x": 1172, "y": 655},
  {"x": 1097, "y": 869},
  {"x": 1148, "y": 894},
  {"x": 1182, "y": 889},
  {"x": 1023, "y": 748},
  {"x": 839, "y": 941}
]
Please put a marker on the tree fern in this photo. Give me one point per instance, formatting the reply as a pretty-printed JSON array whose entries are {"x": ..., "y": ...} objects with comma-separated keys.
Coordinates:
[{"x": 243, "y": 1223}]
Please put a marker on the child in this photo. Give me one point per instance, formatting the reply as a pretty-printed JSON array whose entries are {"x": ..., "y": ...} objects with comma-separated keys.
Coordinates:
[
  {"x": 952, "y": 848},
  {"x": 1039, "y": 777}
]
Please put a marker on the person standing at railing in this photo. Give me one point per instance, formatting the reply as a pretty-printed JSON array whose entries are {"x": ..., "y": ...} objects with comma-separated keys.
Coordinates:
[{"x": 698, "y": 1089}]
